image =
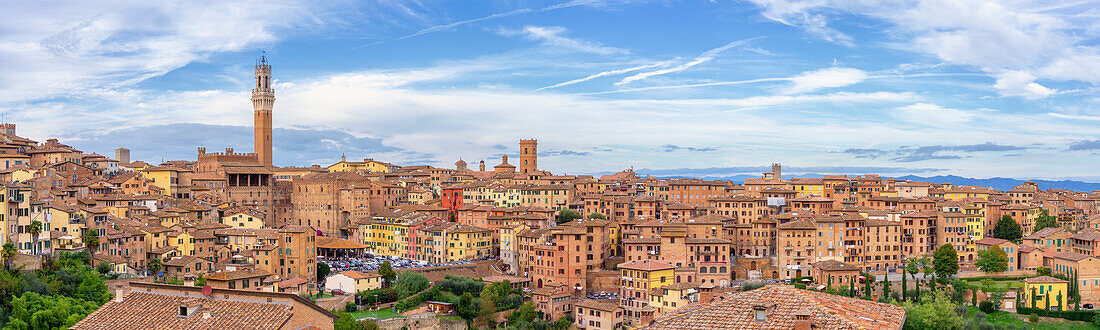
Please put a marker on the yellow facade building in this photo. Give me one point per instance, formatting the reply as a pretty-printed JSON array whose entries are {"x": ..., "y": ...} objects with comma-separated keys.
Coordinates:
[
  {"x": 465, "y": 242},
  {"x": 367, "y": 165},
  {"x": 1046, "y": 292},
  {"x": 243, "y": 218}
]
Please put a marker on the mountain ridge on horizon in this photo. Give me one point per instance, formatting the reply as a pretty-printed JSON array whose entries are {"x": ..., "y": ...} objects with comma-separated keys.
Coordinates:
[{"x": 999, "y": 183}]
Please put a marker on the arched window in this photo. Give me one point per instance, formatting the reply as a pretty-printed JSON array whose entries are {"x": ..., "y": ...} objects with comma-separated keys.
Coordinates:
[{"x": 703, "y": 270}]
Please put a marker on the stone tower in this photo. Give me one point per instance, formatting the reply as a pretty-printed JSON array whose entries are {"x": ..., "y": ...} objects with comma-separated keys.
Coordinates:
[
  {"x": 777, "y": 171},
  {"x": 263, "y": 99},
  {"x": 528, "y": 156},
  {"x": 122, "y": 155}
]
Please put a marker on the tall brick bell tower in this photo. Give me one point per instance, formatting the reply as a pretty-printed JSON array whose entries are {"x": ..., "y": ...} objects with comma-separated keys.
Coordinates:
[
  {"x": 528, "y": 156},
  {"x": 263, "y": 99}
]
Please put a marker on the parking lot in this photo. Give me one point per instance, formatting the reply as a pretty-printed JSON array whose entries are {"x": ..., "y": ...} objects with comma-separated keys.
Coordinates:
[{"x": 370, "y": 263}]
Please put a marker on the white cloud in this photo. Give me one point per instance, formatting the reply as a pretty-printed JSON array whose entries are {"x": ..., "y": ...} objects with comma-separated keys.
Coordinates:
[
  {"x": 702, "y": 58},
  {"x": 1018, "y": 83},
  {"x": 825, "y": 78},
  {"x": 552, "y": 36},
  {"x": 932, "y": 115},
  {"x": 1007, "y": 40},
  {"x": 77, "y": 47}
]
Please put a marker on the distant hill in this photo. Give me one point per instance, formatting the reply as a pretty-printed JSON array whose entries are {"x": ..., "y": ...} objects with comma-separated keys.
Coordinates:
[
  {"x": 1006, "y": 183},
  {"x": 995, "y": 183}
]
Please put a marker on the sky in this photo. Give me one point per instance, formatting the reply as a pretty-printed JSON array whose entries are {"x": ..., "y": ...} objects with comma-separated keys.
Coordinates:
[{"x": 711, "y": 88}]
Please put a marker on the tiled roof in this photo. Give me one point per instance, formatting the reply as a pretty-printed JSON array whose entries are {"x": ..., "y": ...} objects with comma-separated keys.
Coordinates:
[
  {"x": 991, "y": 241},
  {"x": 147, "y": 310},
  {"x": 782, "y": 303},
  {"x": 1072, "y": 256},
  {"x": 647, "y": 265},
  {"x": 833, "y": 265},
  {"x": 1043, "y": 280}
]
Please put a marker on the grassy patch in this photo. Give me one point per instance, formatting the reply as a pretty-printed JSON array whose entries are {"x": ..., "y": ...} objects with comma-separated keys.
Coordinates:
[
  {"x": 1002, "y": 318},
  {"x": 381, "y": 314}
]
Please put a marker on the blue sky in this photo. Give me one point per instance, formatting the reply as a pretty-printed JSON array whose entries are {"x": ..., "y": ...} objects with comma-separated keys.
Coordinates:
[{"x": 974, "y": 88}]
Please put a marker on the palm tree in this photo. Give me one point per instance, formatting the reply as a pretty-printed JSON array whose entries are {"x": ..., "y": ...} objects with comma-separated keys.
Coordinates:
[
  {"x": 34, "y": 229},
  {"x": 91, "y": 243},
  {"x": 8, "y": 253}
]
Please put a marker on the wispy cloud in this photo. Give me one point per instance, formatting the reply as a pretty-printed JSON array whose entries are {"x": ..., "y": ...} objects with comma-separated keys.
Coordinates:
[
  {"x": 702, "y": 58},
  {"x": 608, "y": 73},
  {"x": 674, "y": 148},
  {"x": 553, "y": 36},
  {"x": 1085, "y": 145},
  {"x": 825, "y": 78},
  {"x": 907, "y": 154},
  {"x": 448, "y": 26}
]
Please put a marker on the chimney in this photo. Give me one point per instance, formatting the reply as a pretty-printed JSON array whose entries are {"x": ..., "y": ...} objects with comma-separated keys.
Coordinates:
[
  {"x": 120, "y": 292},
  {"x": 206, "y": 315}
]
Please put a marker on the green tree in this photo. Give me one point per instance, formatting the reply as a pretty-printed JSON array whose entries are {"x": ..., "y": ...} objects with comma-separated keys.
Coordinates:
[
  {"x": 945, "y": 261},
  {"x": 1076, "y": 292},
  {"x": 997, "y": 298},
  {"x": 1033, "y": 298},
  {"x": 35, "y": 229},
  {"x": 1008, "y": 229},
  {"x": 886, "y": 289},
  {"x": 91, "y": 242},
  {"x": 410, "y": 283},
  {"x": 1045, "y": 220},
  {"x": 597, "y": 215},
  {"x": 322, "y": 270},
  {"x": 904, "y": 283},
  {"x": 927, "y": 268},
  {"x": 1058, "y": 301},
  {"x": 34, "y": 311},
  {"x": 567, "y": 216},
  {"x": 852, "y": 287},
  {"x": 992, "y": 260},
  {"x": 103, "y": 268},
  {"x": 387, "y": 273},
  {"x": 868, "y": 279},
  {"x": 9, "y": 255},
  {"x": 1042, "y": 271},
  {"x": 155, "y": 266},
  {"x": 200, "y": 281},
  {"x": 936, "y": 312}
]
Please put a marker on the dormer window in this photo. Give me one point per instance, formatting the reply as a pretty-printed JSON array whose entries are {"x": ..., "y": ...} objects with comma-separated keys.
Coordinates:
[{"x": 760, "y": 313}]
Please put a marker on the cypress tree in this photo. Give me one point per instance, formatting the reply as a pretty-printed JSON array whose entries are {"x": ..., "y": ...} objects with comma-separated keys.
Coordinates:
[
  {"x": 1047, "y": 300},
  {"x": 886, "y": 289},
  {"x": 852, "y": 287},
  {"x": 973, "y": 297},
  {"x": 904, "y": 286},
  {"x": 1033, "y": 297}
]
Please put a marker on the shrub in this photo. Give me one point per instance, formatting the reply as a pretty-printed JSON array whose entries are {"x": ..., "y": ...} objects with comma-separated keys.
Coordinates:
[
  {"x": 800, "y": 286},
  {"x": 351, "y": 307},
  {"x": 1034, "y": 318},
  {"x": 752, "y": 286},
  {"x": 1043, "y": 271},
  {"x": 987, "y": 307},
  {"x": 1096, "y": 320}
]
